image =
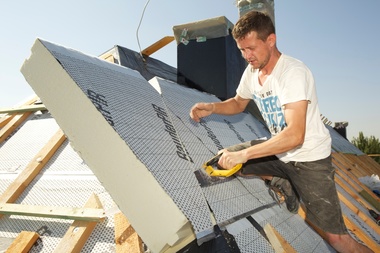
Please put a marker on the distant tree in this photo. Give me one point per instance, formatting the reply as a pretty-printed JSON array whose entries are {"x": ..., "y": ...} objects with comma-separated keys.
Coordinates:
[{"x": 368, "y": 145}]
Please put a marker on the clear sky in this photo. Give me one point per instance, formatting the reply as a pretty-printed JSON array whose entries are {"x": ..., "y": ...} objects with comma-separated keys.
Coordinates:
[{"x": 338, "y": 40}]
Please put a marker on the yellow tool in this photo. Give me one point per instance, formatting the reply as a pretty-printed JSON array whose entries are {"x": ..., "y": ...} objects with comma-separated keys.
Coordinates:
[{"x": 219, "y": 172}]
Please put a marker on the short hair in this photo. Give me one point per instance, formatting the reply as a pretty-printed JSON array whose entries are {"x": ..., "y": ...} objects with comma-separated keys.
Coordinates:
[{"x": 253, "y": 21}]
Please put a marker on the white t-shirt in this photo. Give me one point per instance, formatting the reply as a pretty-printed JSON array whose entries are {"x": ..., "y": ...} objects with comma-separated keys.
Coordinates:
[{"x": 290, "y": 81}]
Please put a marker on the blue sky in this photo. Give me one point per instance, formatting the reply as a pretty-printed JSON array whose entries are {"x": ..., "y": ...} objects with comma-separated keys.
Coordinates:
[{"x": 338, "y": 40}]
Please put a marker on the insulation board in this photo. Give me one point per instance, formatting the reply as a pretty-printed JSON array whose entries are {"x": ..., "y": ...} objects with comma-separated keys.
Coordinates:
[{"x": 138, "y": 139}]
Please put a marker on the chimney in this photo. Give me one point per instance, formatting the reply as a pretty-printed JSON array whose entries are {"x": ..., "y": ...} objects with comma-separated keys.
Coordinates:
[
  {"x": 341, "y": 128},
  {"x": 208, "y": 58}
]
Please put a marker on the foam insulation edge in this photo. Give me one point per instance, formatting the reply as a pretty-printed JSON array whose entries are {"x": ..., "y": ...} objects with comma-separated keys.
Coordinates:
[{"x": 152, "y": 213}]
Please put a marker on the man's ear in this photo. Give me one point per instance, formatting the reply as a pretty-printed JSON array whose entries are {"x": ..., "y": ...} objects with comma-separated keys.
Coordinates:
[{"x": 271, "y": 40}]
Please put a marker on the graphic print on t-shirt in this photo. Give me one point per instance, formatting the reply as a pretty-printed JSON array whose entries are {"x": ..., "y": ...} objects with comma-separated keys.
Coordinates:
[{"x": 271, "y": 110}]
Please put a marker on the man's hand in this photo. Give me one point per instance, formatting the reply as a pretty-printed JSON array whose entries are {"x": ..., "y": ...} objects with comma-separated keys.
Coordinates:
[
  {"x": 201, "y": 110},
  {"x": 228, "y": 160}
]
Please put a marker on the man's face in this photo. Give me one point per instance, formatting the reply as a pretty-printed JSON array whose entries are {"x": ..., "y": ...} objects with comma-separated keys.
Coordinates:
[{"x": 255, "y": 51}]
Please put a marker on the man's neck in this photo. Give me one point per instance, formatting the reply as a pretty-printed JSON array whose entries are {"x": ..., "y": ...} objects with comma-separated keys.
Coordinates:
[{"x": 267, "y": 70}]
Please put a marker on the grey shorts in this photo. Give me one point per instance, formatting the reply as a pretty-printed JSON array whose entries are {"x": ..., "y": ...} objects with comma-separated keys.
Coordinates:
[{"x": 314, "y": 183}]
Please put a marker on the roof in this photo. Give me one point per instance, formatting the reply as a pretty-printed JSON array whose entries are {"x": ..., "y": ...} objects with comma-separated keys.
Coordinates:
[{"x": 135, "y": 147}]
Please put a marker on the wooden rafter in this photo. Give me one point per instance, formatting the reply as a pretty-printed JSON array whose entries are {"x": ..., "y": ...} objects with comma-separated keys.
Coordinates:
[
  {"x": 23, "y": 242},
  {"x": 85, "y": 214},
  {"x": 79, "y": 231},
  {"x": 33, "y": 168},
  {"x": 15, "y": 122},
  {"x": 126, "y": 238},
  {"x": 25, "y": 108},
  {"x": 9, "y": 122},
  {"x": 279, "y": 244},
  {"x": 157, "y": 45}
]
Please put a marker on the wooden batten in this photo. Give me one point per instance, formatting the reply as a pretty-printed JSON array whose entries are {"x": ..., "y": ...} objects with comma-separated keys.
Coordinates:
[
  {"x": 15, "y": 122},
  {"x": 157, "y": 45},
  {"x": 344, "y": 169},
  {"x": 27, "y": 108},
  {"x": 279, "y": 244},
  {"x": 33, "y": 168},
  {"x": 23, "y": 242},
  {"x": 355, "y": 195},
  {"x": 78, "y": 233},
  {"x": 126, "y": 238}
]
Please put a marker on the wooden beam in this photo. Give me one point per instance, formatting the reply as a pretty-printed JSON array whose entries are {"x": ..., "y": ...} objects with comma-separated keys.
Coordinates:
[
  {"x": 5, "y": 120},
  {"x": 108, "y": 57},
  {"x": 68, "y": 213},
  {"x": 23, "y": 242},
  {"x": 361, "y": 166},
  {"x": 157, "y": 45},
  {"x": 361, "y": 235},
  {"x": 302, "y": 213},
  {"x": 79, "y": 232},
  {"x": 370, "y": 222},
  {"x": 279, "y": 244},
  {"x": 361, "y": 189},
  {"x": 15, "y": 122},
  {"x": 16, "y": 188},
  {"x": 344, "y": 171},
  {"x": 126, "y": 238},
  {"x": 25, "y": 108},
  {"x": 355, "y": 195}
]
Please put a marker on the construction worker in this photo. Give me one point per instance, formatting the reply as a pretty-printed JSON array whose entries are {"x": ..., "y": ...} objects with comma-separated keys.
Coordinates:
[{"x": 283, "y": 89}]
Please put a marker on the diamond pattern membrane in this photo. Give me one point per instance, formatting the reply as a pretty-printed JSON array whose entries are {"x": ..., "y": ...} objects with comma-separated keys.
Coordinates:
[
  {"x": 157, "y": 127},
  {"x": 61, "y": 183},
  {"x": 136, "y": 112}
]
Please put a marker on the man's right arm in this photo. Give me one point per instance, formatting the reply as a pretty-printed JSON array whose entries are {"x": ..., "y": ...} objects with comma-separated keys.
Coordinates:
[{"x": 230, "y": 106}]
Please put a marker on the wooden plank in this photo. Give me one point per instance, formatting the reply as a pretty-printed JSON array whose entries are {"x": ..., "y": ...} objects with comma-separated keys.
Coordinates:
[
  {"x": 361, "y": 235},
  {"x": 126, "y": 238},
  {"x": 108, "y": 57},
  {"x": 279, "y": 244},
  {"x": 68, "y": 213},
  {"x": 16, "y": 188},
  {"x": 364, "y": 192},
  {"x": 302, "y": 213},
  {"x": 157, "y": 45},
  {"x": 5, "y": 120},
  {"x": 15, "y": 122},
  {"x": 23, "y": 242},
  {"x": 358, "y": 168},
  {"x": 371, "y": 165},
  {"x": 26, "y": 108},
  {"x": 369, "y": 221},
  {"x": 78, "y": 233},
  {"x": 344, "y": 172},
  {"x": 353, "y": 194}
]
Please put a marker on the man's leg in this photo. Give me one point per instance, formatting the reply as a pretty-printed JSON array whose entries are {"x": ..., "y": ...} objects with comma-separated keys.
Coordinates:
[
  {"x": 271, "y": 170},
  {"x": 315, "y": 183},
  {"x": 346, "y": 244},
  {"x": 278, "y": 184}
]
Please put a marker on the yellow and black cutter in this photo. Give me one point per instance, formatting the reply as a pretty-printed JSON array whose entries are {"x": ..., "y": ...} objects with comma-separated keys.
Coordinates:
[{"x": 218, "y": 171}]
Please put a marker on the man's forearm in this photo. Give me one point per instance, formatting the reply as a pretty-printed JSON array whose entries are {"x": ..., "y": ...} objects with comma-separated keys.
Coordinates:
[{"x": 230, "y": 106}]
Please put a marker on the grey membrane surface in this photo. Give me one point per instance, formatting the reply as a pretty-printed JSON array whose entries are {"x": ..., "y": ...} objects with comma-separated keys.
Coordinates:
[
  {"x": 154, "y": 122},
  {"x": 64, "y": 181}
]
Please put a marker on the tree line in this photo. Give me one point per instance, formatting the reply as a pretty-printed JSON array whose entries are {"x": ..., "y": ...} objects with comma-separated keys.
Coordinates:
[{"x": 368, "y": 145}]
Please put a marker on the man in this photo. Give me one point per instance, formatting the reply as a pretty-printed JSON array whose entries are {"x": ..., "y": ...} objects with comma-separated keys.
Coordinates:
[{"x": 283, "y": 89}]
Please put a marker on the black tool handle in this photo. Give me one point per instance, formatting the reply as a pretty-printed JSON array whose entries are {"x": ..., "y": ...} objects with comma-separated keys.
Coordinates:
[{"x": 214, "y": 160}]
